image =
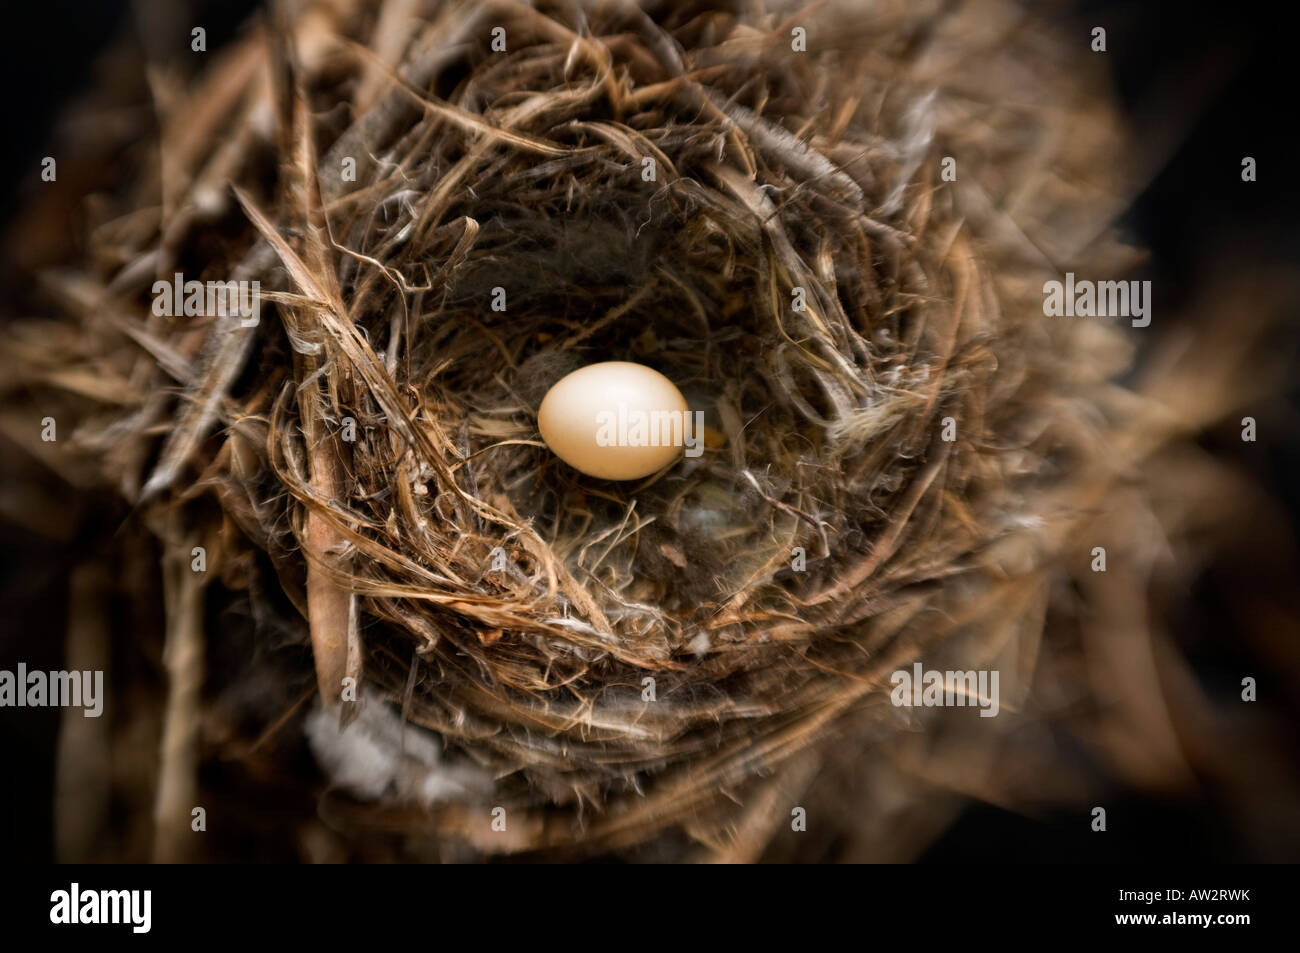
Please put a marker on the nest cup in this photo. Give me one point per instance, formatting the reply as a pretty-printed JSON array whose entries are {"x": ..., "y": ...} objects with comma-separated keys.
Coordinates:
[{"x": 766, "y": 222}]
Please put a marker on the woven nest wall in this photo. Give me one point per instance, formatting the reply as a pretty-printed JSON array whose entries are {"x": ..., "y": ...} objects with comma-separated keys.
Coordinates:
[{"x": 903, "y": 453}]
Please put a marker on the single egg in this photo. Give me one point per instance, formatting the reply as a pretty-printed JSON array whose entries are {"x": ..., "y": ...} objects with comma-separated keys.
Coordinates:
[{"x": 616, "y": 420}]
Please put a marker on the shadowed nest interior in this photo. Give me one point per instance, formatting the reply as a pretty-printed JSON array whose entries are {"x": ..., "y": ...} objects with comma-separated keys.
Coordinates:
[{"x": 901, "y": 447}]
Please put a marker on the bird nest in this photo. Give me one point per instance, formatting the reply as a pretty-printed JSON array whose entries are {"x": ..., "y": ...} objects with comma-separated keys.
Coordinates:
[{"x": 446, "y": 215}]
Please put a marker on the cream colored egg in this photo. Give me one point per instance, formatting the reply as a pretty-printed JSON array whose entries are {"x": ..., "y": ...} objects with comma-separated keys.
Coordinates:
[{"x": 615, "y": 420}]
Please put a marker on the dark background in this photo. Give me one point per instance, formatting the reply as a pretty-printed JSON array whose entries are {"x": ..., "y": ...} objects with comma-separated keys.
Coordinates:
[{"x": 1229, "y": 67}]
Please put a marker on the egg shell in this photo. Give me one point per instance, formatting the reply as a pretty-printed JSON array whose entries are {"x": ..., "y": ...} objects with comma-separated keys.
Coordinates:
[{"x": 570, "y": 419}]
